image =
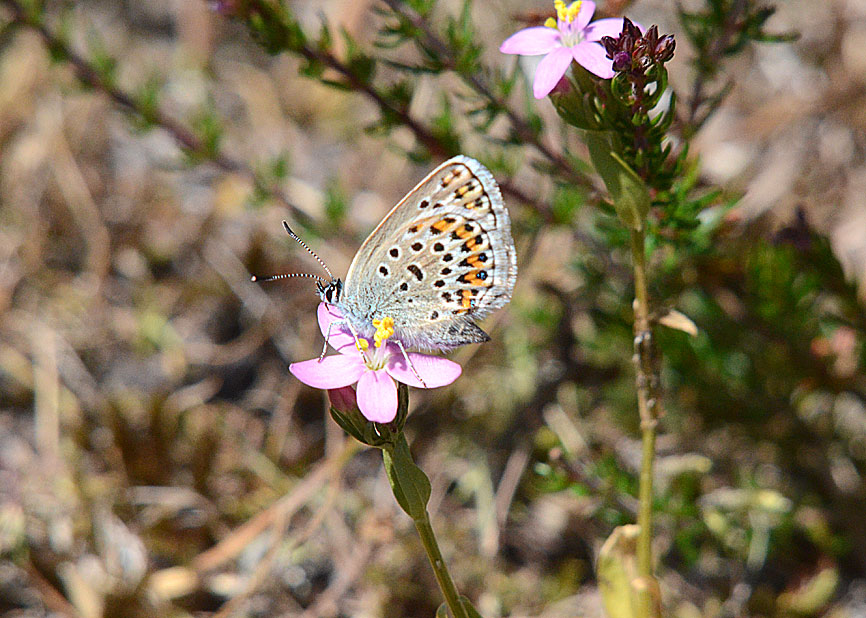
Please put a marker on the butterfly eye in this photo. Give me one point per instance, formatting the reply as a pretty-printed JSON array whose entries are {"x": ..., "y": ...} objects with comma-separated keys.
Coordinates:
[{"x": 333, "y": 292}]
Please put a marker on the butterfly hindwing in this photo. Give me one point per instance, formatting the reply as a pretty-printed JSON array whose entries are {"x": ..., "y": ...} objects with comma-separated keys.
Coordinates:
[{"x": 441, "y": 258}]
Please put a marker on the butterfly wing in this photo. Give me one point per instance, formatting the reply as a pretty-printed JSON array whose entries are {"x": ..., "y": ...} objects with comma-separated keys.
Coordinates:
[{"x": 440, "y": 259}]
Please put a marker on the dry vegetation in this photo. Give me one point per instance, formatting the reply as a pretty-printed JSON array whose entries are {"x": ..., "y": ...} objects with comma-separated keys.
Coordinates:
[{"x": 156, "y": 459}]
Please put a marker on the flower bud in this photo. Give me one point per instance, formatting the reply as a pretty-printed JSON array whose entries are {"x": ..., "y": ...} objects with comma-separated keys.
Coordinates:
[
  {"x": 621, "y": 61},
  {"x": 664, "y": 49},
  {"x": 345, "y": 412}
]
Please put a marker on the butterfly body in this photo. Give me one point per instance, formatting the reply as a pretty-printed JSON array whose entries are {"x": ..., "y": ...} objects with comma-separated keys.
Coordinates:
[{"x": 440, "y": 259}]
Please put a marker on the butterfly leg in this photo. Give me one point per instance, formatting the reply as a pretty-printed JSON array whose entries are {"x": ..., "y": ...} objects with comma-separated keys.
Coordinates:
[
  {"x": 409, "y": 362},
  {"x": 354, "y": 334},
  {"x": 327, "y": 337}
]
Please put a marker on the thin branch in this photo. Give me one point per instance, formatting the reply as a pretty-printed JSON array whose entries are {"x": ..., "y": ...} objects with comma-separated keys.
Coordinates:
[
  {"x": 714, "y": 57},
  {"x": 88, "y": 74},
  {"x": 422, "y": 133},
  {"x": 649, "y": 406}
]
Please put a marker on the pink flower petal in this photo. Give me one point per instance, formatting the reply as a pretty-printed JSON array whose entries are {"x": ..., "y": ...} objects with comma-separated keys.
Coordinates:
[
  {"x": 550, "y": 70},
  {"x": 593, "y": 58},
  {"x": 531, "y": 41},
  {"x": 587, "y": 10},
  {"x": 340, "y": 337},
  {"x": 377, "y": 396},
  {"x": 603, "y": 27},
  {"x": 331, "y": 372},
  {"x": 435, "y": 370}
]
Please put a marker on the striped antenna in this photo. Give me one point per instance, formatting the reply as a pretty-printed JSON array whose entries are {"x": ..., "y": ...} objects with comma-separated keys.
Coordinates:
[
  {"x": 288, "y": 276},
  {"x": 310, "y": 251}
]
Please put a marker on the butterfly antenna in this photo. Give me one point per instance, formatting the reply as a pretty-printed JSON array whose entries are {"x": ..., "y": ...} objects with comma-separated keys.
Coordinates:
[
  {"x": 310, "y": 251},
  {"x": 288, "y": 276}
]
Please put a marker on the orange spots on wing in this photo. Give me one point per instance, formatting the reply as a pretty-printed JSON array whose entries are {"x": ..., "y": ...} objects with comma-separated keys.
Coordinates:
[
  {"x": 462, "y": 232},
  {"x": 469, "y": 192},
  {"x": 474, "y": 279},
  {"x": 455, "y": 176},
  {"x": 479, "y": 278},
  {"x": 447, "y": 179},
  {"x": 443, "y": 225}
]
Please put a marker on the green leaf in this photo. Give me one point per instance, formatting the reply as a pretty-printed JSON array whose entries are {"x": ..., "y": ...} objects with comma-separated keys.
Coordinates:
[
  {"x": 410, "y": 485},
  {"x": 629, "y": 193},
  {"x": 470, "y": 609},
  {"x": 442, "y": 611}
]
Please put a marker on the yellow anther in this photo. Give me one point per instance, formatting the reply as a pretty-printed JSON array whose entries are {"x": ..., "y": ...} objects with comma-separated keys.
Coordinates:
[
  {"x": 559, "y": 5},
  {"x": 550, "y": 22},
  {"x": 568, "y": 13},
  {"x": 384, "y": 329},
  {"x": 362, "y": 344}
]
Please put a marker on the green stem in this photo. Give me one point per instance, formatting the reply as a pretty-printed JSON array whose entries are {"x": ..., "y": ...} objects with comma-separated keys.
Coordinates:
[
  {"x": 412, "y": 490},
  {"x": 446, "y": 584},
  {"x": 647, "y": 397}
]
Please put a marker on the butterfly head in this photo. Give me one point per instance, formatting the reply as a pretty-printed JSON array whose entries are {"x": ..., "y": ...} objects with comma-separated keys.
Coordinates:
[{"x": 330, "y": 292}]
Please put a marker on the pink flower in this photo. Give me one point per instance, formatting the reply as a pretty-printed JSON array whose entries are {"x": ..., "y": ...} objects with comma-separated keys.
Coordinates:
[
  {"x": 373, "y": 365},
  {"x": 569, "y": 37}
]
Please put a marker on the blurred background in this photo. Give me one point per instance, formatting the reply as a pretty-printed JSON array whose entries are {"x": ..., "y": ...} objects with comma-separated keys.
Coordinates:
[{"x": 157, "y": 459}]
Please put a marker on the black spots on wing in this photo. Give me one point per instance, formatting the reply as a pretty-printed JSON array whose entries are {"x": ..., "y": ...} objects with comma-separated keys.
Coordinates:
[
  {"x": 438, "y": 205},
  {"x": 413, "y": 229},
  {"x": 443, "y": 224},
  {"x": 383, "y": 270},
  {"x": 482, "y": 257},
  {"x": 472, "y": 278},
  {"x": 438, "y": 247},
  {"x": 394, "y": 252},
  {"x": 404, "y": 287},
  {"x": 415, "y": 270},
  {"x": 472, "y": 244},
  {"x": 434, "y": 315},
  {"x": 417, "y": 246},
  {"x": 445, "y": 271},
  {"x": 439, "y": 283},
  {"x": 447, "y": 257},
  {"x": 423, "y": 204}
]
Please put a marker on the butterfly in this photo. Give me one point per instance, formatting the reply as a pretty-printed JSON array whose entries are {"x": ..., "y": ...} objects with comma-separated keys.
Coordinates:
[{"x": 441, "y": 259}]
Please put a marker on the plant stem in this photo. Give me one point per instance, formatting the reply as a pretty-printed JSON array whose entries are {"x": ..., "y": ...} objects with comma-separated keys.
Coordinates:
[
  {"x": 446, "y": 584},
  {"x": 412, "y": 490},
  {"x": 647, "y": 386}
]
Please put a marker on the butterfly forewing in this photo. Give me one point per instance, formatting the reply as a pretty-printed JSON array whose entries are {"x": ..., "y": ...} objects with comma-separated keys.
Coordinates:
[{"x": 442, "y": 257}]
